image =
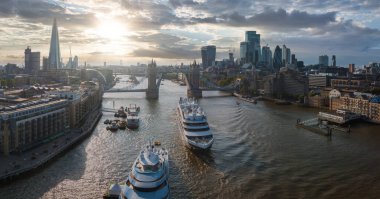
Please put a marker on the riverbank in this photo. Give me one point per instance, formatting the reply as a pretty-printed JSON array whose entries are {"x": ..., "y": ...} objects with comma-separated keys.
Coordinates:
[{"x": 17, "y": 165}]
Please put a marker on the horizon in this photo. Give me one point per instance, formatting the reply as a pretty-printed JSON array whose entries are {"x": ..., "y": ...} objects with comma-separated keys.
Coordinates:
[{"x": 173, "y": 32}]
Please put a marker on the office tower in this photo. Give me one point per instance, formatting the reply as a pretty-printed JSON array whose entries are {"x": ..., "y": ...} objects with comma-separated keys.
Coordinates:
[
  {"x": 266, "y": 56},
  {"x": 324, "y": 60},
  {"x": 334, "y": 61},
  {"x": 243, "y": 52},
  {"x": 288, "y": 56},
  {"x": 55, "y": 53},
  {"x": 294, "y": 60},
  {"x": 45, "y": 63},
  {"x": 351, "y": 68},
  {"x": 75, "y": 62},
  {"x": 277, "y": 58},
  {"x": 253, "y": 50},
  {"x": 208, "y": 55},
  {"x": 32, "y": 61},
  {"x": 231, "y": 56}
]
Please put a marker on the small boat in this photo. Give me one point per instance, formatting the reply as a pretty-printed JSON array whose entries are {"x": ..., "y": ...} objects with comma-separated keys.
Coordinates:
[
  {"x": 148, "y": 177},
  {"x": 133, "y": 110},
  {"x": 113, "y": 126},
  {"x": 107, "y": 122},
  {"x": 133, "y": 122},
  {"x": 121, "y": 113},
  {"x": 122, "y": 124},
  {"x": 157, "y": 143}
]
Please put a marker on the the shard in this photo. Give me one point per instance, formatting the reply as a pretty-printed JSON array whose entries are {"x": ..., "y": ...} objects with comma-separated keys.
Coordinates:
[{"x": 55, "y": 52}]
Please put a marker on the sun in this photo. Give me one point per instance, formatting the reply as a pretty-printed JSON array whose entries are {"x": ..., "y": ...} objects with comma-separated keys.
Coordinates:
[{"x": 111, "y": 29}]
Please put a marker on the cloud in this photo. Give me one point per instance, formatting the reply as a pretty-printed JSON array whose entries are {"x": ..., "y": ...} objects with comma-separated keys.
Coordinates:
[
  {"x": 273, "y": 19},
  {"x": 164, "y": 46},
  {"x": 14, "y": 57}
]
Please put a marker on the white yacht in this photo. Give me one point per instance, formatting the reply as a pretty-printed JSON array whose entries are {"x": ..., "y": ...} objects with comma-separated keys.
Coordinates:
[
  {"x": 193, "y": 125},
  {"x": 148, "y": 178}
]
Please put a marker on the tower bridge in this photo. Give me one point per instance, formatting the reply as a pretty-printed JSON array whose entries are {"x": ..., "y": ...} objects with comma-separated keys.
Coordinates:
[
  {"x": 153, "y": 84},
  {"x": 193, "y": 81}
]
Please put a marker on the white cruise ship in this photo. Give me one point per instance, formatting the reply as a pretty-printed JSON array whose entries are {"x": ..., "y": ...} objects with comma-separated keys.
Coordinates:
[
  {"x": 193, "y": 125},
  {"x": 148, "y": 178}
]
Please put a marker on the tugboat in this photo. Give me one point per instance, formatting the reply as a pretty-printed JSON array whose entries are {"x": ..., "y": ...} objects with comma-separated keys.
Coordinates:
[
  {"x": 113, "y": 127},
  {"x": 121, "y": 113},
  {"x": 133, "y": 110},
  {"x": 122, "y": 124},
  {"x": 133, "y": 122},
  {"x": 148, "y": 178}
]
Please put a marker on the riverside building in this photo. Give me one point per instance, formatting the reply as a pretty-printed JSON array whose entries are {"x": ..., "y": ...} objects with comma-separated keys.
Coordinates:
[
  {"x": 28, "y": 124},
  {"x": 35, "y": 122}
]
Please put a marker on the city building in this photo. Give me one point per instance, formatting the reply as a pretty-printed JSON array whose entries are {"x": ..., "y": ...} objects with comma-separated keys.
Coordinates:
[
  {"x": 75, "y": 62},
  {"x": 277, "y": 58},
  {"x": 366, "y": 105},
  {"x": 267, "y": 57},
  {"x": 243, "y": 52},
  {"x": 208, "y": 54},
  {"x": 288, "y": 84},
  {"x": 351, "y": 68},
  {"x": 286, "y": 54},
  {"x": 250, "y": 49},
  {"x": 324, "y": 60},
  {"x": 321, "y": 80},
  {"x": 32, "y": 61},
  {"x": 333, "y": 61},
  {"x": 45, "y": 63},
  {"x": 28, "y": 124},
  {"x": 55, "y": 52}
]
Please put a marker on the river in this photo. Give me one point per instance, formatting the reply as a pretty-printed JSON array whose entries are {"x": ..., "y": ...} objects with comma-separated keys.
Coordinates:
[{"x": 258, "y": 153}]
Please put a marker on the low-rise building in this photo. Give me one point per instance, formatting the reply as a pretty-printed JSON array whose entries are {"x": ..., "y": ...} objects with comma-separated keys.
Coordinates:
[{"x": 26, "y": 125}]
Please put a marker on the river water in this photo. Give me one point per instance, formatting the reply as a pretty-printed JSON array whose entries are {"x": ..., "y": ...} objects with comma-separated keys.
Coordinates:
[{"x": 258, "y": 153}]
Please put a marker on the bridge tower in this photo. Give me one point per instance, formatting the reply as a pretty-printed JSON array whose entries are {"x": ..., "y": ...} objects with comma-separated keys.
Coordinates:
[
  {"x": 152, "y": 91},
  {"x": 194, "y": 76}
]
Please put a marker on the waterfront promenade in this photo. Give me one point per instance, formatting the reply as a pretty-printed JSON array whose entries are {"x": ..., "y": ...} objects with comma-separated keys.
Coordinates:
[{"x": 15, "y": 165}]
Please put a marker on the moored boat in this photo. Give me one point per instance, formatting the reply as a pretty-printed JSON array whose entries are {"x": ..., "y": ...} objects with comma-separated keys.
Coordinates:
[
  {"x": 133, "y": 110},
  {"x": 133, "y": 122},
  {"x": 122, "y": 124},
  {"x": 113, "y": 126},
  {"x": 121, "y": 113}
]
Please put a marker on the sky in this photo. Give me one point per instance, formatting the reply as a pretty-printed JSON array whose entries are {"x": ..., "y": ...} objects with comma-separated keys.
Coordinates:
[{"x": 173, "y": 31}]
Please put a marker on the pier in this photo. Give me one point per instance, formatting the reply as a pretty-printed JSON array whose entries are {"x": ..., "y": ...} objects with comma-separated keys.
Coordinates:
[
  {"x": 340, "y": 117},
  {"x": 321, "y": 127}
]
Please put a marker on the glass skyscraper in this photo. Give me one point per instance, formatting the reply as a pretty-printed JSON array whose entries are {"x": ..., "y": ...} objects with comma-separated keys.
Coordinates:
[
  {"x": 250, "y": 49},
  {"x": 277, "y": 58},
  {"x": 208, "y": 55},
  {"x": 55, "y": 52}
]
